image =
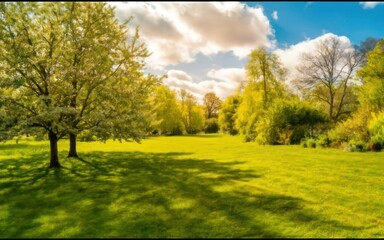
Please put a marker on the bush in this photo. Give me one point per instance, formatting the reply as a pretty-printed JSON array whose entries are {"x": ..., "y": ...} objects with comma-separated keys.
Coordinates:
[
  {"x": 211, "y": 126},
  {"x": 355, "y": 146},
  {"x": 285, "y": 122},
  {"x": 375, "y": 146},
  {"x": 323, "y": 141},
  {"x": 376, "y": 129},
  {"x": 311, "y": 143},
  {"x": 376, "y": 143},
  {"x": 354, "y": 128},
  {"x": 304, "y": 144}
]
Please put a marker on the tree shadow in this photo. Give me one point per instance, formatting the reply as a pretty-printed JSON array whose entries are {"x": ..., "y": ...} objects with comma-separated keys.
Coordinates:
[{"x": 144, "y": 195}]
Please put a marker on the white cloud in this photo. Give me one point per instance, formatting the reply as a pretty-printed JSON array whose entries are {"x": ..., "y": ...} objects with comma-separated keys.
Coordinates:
[
  {"x": 181, "y": 75},
  {"x": 230, "y": 75},
  {"x": 176, "y": 31},
  {"x": 230, "y": 79},
  {"x": 290, "y": 57},
  {"x": 368, "y": 5},
  {"x": 274, "y": 15}
]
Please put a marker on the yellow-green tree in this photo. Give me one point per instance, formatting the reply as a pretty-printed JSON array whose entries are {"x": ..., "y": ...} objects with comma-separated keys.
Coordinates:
[
  {"x": 265, "y": 76},
  {"x": 265, "y": 69},
  {"x": 212, "y": 105},
  {"x": 371, "y": 92},
  {"x": 193, "y": 113},
  {"x": 227, "y": 114},
  {"x": 168, "y": 120}
]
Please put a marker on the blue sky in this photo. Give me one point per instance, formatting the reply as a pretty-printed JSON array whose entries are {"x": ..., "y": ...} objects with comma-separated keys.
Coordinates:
[
  {"x": 203, "y": 46},
  {"x": 300, "y": 20}
]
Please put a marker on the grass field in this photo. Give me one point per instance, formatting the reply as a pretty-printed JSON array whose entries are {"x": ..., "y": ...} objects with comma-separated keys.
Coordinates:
[{"x": 204, "y": 186}]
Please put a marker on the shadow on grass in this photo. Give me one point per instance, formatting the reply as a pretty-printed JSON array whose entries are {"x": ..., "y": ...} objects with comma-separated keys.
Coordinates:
[{"x": 142, "y": 195}]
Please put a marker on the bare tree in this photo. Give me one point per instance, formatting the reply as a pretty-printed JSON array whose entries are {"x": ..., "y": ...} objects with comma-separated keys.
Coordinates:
[{"x": 325, "y": 74}]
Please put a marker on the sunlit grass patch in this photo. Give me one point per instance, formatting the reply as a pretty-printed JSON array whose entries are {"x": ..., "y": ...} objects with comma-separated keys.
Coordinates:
[{"x": 189, "y": 187}]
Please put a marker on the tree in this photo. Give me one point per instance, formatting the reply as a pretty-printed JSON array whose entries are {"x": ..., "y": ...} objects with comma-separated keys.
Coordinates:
[
  {"x": 101, "y": 59},
  {"x": 168, "y": 120},
  {"x": 325, "y": 74},
  {"x": 193, "y": 114},
  {"x": 227, "y": 114},
  {"x": 266, "y": 68},
  {"x": 65, "y": 73},
  {"x": 250, "y": 106},
  {"x": 32, "y": 46},
  {"x": 371, "y": 92},
  {"x": 212, "y": 105},
  {"x": 265, "y": 84},
  {"x": 365, "y": 46}
]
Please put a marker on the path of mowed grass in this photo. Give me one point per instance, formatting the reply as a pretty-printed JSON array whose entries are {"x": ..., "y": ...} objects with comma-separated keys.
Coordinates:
[{"x": 207, "y": 186}]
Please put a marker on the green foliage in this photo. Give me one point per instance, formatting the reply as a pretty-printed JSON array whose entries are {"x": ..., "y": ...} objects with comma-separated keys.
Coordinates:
[
  {"x": 323, "y": 141},
  {"x": 311, "y": 143},
  {"x": 87, "y": 69},
  {"x": 192, "y": 114},
  {"x": 8, "y": 124},
  {"x": 32, "y": 62},
  {"x": 285, "y": 122},
  {"x": 376, "y": 130},
  {"x": 211, "y": 125},
  {"x": 356, "y": 146},
  {"x": 227, "y": 114},
  {"x": 251, "y": 104},
  {"x": 86, "y": 136},
  {"x": 372, "y": 91},
  {"x": 375, "y": 145},
  {"x": 366, "y": 124},
  {"x": 168, "y": 120},
  {"x": 265, "y": 75},
  {"x": 354, "y": 128},
  {"x": 212, "y": 104},
  {"x": 70, "y": 66},
  {"x": 265, "y": 69}
]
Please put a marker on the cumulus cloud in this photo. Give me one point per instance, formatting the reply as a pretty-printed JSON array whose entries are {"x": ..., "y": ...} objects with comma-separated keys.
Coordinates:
[
  {"x": 230, "y": 75},
  {"x": 224, "y": 82},
  {"x": 274, "y": 15},
  {"x": 176, "y": 31},
  {"x": 180, "y": 75},
  {"x": 290, "y": 57},
  {"x": 368, "y": 5}
]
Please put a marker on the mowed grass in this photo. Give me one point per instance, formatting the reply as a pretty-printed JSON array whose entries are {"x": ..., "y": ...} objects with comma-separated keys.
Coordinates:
[{"x": 203, "y": 186}]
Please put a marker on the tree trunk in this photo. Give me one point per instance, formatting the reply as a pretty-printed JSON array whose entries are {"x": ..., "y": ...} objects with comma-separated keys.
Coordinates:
[
  {"x": 265, "y": 86},
  {"x": 331, "y": 103},
  {"x": 54, "y": 151},
  {"x": 72, "y": 146}
]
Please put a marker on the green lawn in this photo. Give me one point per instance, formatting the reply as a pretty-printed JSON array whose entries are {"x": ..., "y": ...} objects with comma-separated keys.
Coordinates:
[{"x": 204, "y": 186}]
